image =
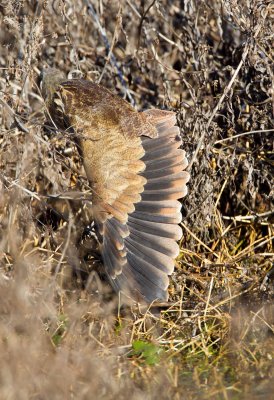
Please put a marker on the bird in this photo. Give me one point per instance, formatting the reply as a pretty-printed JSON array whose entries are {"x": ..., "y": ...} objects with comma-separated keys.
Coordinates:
[{"x": 137, "y": 173}]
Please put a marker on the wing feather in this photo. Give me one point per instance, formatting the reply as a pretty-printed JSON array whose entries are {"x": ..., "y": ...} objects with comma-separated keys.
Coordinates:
[{"x": 153, "y": 229}]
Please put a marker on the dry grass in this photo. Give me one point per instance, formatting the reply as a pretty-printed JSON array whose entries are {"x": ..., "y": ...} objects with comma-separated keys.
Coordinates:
[{"x": 62, "y": 332}]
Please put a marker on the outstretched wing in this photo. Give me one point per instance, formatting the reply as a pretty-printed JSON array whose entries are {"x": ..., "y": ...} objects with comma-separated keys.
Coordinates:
[
  {"x": 139, "y": 251},
  {"x": 136, "y": 169}
]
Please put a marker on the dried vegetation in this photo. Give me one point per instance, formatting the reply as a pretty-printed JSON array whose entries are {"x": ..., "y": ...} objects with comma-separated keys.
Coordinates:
[{"x": 63, "y": 334}]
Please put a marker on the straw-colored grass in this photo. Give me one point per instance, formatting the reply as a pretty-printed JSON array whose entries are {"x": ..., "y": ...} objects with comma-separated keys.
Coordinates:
[{"x": 63, "y": 332}]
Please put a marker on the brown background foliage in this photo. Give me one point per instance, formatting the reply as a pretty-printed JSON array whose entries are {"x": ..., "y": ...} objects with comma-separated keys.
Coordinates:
[{"x": 62, "y": 334}]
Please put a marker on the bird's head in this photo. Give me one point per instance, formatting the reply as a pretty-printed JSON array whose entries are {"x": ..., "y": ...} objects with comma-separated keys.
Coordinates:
[{"x": 50, "y": 79}]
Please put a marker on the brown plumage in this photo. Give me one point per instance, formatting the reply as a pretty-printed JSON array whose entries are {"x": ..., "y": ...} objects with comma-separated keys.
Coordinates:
[{"x": 136, "y": 170}]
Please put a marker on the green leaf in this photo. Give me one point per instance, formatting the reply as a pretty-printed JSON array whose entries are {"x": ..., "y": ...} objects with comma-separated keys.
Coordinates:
[
  {"x": 61, "y": 330},
  {"x": 147, "y": 351}
]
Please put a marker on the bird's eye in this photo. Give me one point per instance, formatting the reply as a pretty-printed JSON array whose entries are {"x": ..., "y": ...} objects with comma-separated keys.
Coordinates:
[{"x": 75, "y": 74}]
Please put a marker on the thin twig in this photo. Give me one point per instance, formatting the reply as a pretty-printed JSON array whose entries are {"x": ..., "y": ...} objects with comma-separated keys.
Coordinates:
[
  {"x": 14, "y": 116},
  {"x": 249, "y": 217},
  {"x": 113, "y": 60},
  {"x": 14, "y": 183},
  {"x": 198, "y": 240},
  {"x": 214, "y": 112},
  {"x": 142, "y": 20},
  {"x": 67, "y": 242},
  {"x": 114, "y": 39},
  {"x": 243, "y": 134}
]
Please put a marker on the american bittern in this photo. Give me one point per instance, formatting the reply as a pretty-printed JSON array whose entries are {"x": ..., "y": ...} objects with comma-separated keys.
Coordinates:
[{"x": 136, "y": 168}]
